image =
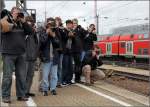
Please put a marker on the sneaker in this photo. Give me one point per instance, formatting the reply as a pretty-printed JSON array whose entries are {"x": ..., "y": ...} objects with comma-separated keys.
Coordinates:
[
  {"x": 53, "y": 92},
  {"x": 45, "y": 93},
  {"x": 22, "y": 99},
  {"x": 6, "y": 100}
]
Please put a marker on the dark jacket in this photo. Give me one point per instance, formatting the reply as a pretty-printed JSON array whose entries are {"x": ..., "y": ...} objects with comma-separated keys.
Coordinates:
[
  {"x": 89, "y": 41},
  {"x": 79, "y": 39},
  {"x": 66, "y": 50},
  {"x": 13, "y": 42},
  {"x": 91, "y": 60},
  {"x": 32, "y": 46},
  {"x": 62, "y": 38},
  {"x": 45, "y": 47}
]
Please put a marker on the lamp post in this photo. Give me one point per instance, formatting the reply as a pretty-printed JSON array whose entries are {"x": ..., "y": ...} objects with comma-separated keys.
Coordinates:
[{"x": 96, "y": 16}]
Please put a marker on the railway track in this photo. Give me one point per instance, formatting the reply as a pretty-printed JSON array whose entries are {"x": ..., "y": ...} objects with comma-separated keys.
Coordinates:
[
  {"x": 132, "y": 73},
  {"x": 131, "y": 76},
  {"x": 144, "y": 66}
]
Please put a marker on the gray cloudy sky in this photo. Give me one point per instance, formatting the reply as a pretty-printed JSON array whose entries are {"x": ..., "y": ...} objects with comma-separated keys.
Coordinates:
[{"x": 111, "y": 13}]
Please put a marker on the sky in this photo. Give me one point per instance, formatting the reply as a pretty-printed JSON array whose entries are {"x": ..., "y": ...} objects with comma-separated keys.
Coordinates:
[{"x": 111, "y": 14}]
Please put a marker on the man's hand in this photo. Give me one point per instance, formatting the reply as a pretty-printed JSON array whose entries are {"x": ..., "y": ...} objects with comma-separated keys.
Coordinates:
[
  {"x": 70, "y": 34},
  {"x": 50, "y": 33},
  {"x": 22, "y": 20},
  {"x": 5, "y": 25}
]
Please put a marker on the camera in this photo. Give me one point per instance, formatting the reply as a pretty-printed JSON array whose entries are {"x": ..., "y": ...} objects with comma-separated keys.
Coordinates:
[{"x": 20, "y": 15}]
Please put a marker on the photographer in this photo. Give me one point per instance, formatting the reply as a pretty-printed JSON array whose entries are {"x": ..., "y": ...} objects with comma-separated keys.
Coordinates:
[
  {"x": 79, "y": 40},
  {"x": 68, "y": 50},
  {"x": 89, "y": 39},
  {"x": 31, "y": 55},
  {"x": 13, "y": 55},
  {"x": 89, "y": 67},
  {"x": 62, "y": 33},
  {"x": 49, "y": 57}
]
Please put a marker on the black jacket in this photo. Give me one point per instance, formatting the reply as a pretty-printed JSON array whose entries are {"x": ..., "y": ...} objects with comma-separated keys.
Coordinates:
[
  {"x": 32, "y": 46},
  {"x": 45, "y": 47},
  {"x": 66, "y": 50},
  {"x": 62, "y": 38},
  {"x": 79, "y": 39},
  {"x": 89, "y": 41},
  {"x": 91, "y": 60},
  {"x": 13, "y": 42}
]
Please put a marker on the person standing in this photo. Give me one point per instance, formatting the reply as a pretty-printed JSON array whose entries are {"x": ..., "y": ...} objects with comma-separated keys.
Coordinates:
[
  {"x": 13, "y": 55},
  {"x": 31, "y": 55},
  {"x": 68, "y": 51},
  {"x": 62, "y": 35},
  {"x": 79, "y": 42},
  {"x": 49, "y": 57}
]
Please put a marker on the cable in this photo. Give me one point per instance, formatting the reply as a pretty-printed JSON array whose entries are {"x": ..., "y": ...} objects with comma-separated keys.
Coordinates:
[
  {"x": 116, "y": 8},
  {"x": 61, "y": 7}
]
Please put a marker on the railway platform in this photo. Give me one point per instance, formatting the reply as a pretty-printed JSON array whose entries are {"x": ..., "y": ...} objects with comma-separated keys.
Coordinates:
[{"x": 100, "y": 94}]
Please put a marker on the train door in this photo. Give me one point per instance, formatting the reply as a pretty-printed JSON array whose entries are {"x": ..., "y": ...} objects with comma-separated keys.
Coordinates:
[
  {"x": 129, "y": 47},
  {"x": 109, "y": 48}
]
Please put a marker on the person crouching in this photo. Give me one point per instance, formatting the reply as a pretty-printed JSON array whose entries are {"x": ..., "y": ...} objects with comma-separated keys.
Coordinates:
[{"x": 89, "y": 68}]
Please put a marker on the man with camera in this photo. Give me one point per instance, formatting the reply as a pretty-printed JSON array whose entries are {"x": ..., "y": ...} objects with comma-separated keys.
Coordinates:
[
  {"x": 89, "y": 39},
  {"x": 62, "y": 34},
  {"x": 79, "y": 42},
  {"x": 68, "y": 51},
  {"x": 89, "y": 67},
  {"x": 49, "y": 57},
  {"x": 13, "y": 54},
  {"x": 31, "y": 54}
]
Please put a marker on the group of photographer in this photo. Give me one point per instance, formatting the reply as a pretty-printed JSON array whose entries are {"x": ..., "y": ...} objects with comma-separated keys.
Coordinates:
[{"x": 63, "y": 51}]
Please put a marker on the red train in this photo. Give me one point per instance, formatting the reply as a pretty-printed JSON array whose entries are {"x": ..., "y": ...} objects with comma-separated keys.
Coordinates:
[{"x": 133, "y": 46}]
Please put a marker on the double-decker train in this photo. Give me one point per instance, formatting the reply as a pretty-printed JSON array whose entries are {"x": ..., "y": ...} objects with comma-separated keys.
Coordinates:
[{"x": 128, "y": 46}]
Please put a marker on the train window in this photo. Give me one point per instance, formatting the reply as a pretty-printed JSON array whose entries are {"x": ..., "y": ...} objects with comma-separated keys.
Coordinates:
[
  {"x": 140, "y": 51},
  {"x": 122, "y": 44},
  {"x": 109, "y": 48},
  {"x": 145, "y": 51},
  {"x": 146, "y": 35},
  {"x": 129, "y": 47}
]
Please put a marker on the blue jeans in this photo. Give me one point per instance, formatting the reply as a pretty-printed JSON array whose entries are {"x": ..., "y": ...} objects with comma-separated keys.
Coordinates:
[
  {"x": 82, "y": 55},
  {"x": 49, "y": 69},
  {"x": 60, "y": 69},
  {"x": 9, "y": 63}
]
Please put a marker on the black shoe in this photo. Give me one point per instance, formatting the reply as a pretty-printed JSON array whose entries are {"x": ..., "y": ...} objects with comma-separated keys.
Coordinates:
[
  {"x": 59, "y": 86},
  {"x": 22, "y": 99},
  {"x": 70, "y": 83},
  {"x": 30, "y": 94},
  {"x": 45, "y": 93},
  {"x": 53, "y": 92},
  {"x": 78, "y": 81},
  {"x": 64, "y": 84},
  {"x": 6, "y": 100}
]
